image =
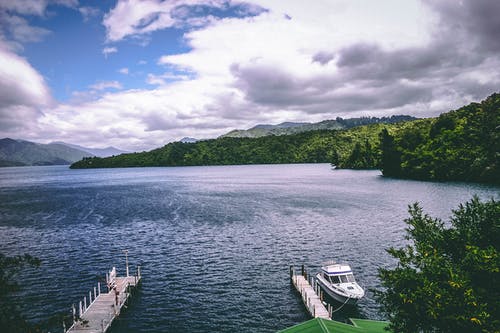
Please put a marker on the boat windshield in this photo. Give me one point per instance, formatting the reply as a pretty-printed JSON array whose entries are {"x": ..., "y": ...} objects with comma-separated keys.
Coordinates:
[
  {"x": 346, "y": 278},
  {"x": 339, "y": 278}
]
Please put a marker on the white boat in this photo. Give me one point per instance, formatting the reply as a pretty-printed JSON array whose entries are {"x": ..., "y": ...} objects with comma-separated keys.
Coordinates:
[{"x": 338, "y": 281}]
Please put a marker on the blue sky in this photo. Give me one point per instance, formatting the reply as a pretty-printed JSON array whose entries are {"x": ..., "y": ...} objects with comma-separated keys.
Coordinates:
[
  {"x": 72, "y": 64},
  {"x": 139, "y": 74}
]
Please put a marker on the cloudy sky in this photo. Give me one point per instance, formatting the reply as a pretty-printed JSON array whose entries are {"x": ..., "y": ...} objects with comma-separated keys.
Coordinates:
[{"x": 138, "y": 74}]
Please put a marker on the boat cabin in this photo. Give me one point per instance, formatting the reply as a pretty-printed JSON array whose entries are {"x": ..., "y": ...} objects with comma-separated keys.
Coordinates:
[{"x": 338, "y": 274}]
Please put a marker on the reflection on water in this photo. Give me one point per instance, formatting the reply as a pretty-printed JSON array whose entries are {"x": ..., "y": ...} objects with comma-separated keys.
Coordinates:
[{"x": 214, "y": 243}]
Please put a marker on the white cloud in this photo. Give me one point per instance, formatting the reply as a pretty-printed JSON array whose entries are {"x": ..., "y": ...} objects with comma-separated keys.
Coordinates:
[
  {"x": 103, "y": 85},
  {"x": 138, "y": 119},
  {"x": 165, "y": 78},
  {"x": 297, "y": 61},
  {"x": 20, "y": 30},
  {"x": 108, "y": 50},
  {"x": 88, "y": 12},
  {"x": 23, "y": 93},
  {"x": 139, "y": 17},
  {"x": 28, "y": 7},
  {"x": 34, "y": 7},
  {"x": 123, "y": 71}
]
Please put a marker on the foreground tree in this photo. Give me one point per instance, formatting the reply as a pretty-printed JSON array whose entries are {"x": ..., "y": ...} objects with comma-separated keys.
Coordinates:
[
  {"x": 11, "y": 318},
  {"x": 447, "y": 279}
]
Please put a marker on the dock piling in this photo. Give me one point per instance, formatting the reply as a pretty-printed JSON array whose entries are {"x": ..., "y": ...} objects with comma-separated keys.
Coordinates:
[
  {"x": 98, "y": 314},
  {"x": 306, "y": 288}
]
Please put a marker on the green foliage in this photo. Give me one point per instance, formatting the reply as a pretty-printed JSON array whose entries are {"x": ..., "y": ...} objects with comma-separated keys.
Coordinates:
[
  {"x": 361, "y": 157},
  {"x": 458, "y": 145},
  {"x": 323, "y": 146},
  {"x": 390, "y": 158},
  {"x": 294, "y": 128},
  {"x": 11, "y": 318},
  {"x": 447, "y": 278}
]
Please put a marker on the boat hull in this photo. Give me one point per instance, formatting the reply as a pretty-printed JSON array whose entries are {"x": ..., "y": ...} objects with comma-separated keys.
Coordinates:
[{"x": 336, "y": 296}]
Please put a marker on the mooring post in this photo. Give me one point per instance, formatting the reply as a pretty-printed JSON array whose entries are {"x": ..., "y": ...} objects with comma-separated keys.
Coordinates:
[
  {"x": 139, "y": 272},
  {"x": 85, "y": 303},
  {"x": 291, "y": 272},
  {"x": 90, "y": 297},
  {"x": 73, "y": 310},
  {"x": 64, "y": 326},
  {"x": 126, "y": 260},
  {"x": 98, "y": 288},
  {"x": 81, "y": 310},
  {"x": 303, "y": 270}
]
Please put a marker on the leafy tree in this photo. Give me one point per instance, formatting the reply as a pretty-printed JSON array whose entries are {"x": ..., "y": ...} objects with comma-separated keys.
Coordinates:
[
  {"x": 447, "y": 279},
  {"x": 334, "y": 160},
  {"x": 391, "y": 158},
  {"x": 11, "y": 318}
]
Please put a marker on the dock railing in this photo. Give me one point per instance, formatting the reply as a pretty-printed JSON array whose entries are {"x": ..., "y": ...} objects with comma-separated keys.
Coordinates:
[
  {"x": 97, "y": 312},
  {"x": 311, "y": 293}
]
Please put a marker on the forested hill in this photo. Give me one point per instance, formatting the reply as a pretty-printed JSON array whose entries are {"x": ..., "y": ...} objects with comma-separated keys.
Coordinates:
[
  {"x": 339, "y": 147},
  {"x": 459, "y": 145},
  {"x": 289, "y": 128}
]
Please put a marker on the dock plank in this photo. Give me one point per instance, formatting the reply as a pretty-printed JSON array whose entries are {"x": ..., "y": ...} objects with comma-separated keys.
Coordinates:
[
  {"x": 311, "y": 300},
  {"x": 100, "y": 313}
]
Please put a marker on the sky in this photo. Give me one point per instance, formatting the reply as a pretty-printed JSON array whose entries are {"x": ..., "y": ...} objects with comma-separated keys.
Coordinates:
[{"x": 139, "y": 74}]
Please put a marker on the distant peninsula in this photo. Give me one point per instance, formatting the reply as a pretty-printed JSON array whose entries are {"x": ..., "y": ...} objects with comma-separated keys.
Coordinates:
[{"x": 460, "y": 145}]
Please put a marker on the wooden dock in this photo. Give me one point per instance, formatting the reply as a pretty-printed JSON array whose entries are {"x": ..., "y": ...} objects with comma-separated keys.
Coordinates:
[
  {"x": 96, "y": 314},
  {"x": 311, "y": 294}
]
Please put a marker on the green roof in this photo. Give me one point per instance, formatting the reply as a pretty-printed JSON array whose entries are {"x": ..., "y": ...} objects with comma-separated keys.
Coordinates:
[{"x": 319, "y": 325}]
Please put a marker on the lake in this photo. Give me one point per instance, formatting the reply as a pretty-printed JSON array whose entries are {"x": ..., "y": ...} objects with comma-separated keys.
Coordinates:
[{"x": 214, "y": 243}]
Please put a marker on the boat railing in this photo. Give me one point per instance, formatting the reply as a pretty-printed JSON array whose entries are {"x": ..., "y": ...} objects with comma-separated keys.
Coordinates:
[{"x": 329, "y": 262}]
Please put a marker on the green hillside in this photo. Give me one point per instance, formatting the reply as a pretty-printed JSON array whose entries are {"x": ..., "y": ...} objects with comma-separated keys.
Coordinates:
[
  {"x": 459, "y": 145},
  {"x": 331, "y": 146},
  {"x": 289, "y": 128}
]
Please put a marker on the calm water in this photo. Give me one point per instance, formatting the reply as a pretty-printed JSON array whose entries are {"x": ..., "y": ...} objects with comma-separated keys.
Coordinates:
[{"x": 215, "y": 243}]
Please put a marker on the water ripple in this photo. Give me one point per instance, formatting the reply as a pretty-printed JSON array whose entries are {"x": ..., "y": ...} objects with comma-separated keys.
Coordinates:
[{"x": 214, "y": 242}]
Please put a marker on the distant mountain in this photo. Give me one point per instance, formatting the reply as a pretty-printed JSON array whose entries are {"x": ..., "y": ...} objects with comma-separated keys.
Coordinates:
[
  {"x": 19, "y": 153},
  {"x": 288, "y": 128},
  {"x": 188, "y": 140},
  {"x": 99, "y": 152}
]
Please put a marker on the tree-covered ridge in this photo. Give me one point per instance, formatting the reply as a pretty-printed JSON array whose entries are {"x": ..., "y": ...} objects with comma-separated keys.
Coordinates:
[
  {"x": 459, "y": 145},
  {"x": 323, "y": 146},
  {"x": 289, "y": 128}
]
